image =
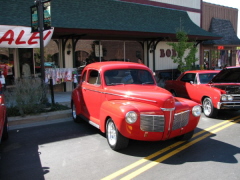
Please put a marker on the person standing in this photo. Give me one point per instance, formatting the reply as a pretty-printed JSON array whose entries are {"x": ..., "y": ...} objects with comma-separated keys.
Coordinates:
[{"x": 140, "y": 61}]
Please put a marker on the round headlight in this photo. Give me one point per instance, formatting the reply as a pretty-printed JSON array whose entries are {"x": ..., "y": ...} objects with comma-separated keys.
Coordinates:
[
  {"x": 229, "y": 98},
  {"x": 131, "y": 117},
  {"x": 224, "y": 98},
  {"x": 196, "y": 110}
]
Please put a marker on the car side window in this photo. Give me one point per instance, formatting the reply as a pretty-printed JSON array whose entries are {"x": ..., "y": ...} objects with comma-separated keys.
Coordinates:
[
  {"x": 84, "y": 77},
  {"x": 188, "y": 77},
  {"x": 94, "y": 77}
]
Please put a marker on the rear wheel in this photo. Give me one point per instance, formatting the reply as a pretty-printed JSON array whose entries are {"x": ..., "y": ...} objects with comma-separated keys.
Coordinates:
[
  {"x": 76, "y": 118},
  {"x": 5, "y": 130},
  {"x": 208, "y": 109},
  {"x": 173, "y": 93},
  {"x": 185, "y": 137},
  {"x": 115, "y": 139}
]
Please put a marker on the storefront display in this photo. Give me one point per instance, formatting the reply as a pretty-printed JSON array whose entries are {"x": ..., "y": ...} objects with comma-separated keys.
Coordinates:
[{"x": 60, "y": 75}]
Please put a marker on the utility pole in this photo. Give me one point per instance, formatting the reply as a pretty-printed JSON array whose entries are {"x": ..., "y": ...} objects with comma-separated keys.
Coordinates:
[{"x": 39, "y": 5}]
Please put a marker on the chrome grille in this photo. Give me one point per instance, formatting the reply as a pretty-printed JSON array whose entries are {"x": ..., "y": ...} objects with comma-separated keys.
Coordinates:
[
  {"x": 236, "y": 97},
  {"x": 152, "y": 123},
  {"x": 180, "y": 120}
]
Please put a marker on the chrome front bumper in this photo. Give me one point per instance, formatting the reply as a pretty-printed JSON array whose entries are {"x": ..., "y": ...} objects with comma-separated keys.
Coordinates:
[{"x": 228, "y": 105}]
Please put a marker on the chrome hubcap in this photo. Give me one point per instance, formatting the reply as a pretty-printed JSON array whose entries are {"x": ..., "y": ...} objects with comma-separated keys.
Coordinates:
[
  {"x": 207, "y": 107},
  {"x": 112, "y": 137},
  {"x": 74, "y": 112}
]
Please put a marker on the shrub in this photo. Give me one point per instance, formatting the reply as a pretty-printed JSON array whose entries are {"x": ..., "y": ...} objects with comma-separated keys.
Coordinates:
[{"x": 27, "y": 97}]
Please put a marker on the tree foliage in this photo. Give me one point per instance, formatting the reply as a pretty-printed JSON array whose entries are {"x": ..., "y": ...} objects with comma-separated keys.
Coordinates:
[{"x": 186, "y": 51}]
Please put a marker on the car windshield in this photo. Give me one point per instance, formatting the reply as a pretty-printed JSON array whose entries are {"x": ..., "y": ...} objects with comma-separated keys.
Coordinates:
[
  {"x": 128, "y": 76},
  {"x": 206, "y": 78}
]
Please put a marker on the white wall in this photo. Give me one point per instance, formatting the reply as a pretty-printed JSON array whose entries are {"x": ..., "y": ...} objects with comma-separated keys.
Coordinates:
[
  {"x": 68, "y": 64},
  {"x": 196, "y": 4},
  {"x": 162, "y": 63},
  {"x": 195, "y": 17}
]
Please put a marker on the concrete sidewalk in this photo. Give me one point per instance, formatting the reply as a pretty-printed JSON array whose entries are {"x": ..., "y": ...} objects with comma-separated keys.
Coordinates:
[
  {"x": 61, "y": 97},
  {"x": 64, "y": 98}
]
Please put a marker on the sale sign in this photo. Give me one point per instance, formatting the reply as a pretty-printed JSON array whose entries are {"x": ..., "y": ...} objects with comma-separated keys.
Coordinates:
[{"x": 22, "y": 37}]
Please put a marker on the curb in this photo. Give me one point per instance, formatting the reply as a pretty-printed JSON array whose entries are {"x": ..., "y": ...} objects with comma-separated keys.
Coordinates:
[{"x": 43, "y": 117}]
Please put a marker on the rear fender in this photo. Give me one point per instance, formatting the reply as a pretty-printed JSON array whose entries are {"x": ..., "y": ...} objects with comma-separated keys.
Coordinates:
[{"x": 76, "y": 99}]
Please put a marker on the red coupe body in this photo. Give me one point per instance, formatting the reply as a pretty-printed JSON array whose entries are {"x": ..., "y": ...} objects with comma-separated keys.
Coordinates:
[
  {"x": 213, "y": 89},
  {"x": 123, "y": 100}
]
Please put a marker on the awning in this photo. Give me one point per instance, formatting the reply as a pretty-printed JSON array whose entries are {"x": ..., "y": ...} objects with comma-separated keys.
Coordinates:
[
  {"x": 225, "y": 29},
  {"x": 108, "y": 19}
]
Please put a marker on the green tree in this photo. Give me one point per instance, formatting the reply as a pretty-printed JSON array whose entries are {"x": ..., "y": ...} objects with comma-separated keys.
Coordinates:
[{"x": 186, "y": 51}]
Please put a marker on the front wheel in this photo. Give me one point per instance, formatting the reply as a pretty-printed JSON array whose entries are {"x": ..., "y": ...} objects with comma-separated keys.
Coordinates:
[
  {"x": 115, "y": 139},
  {"x": 76, "y": 118},
  {"x": 208, "y": 109}
]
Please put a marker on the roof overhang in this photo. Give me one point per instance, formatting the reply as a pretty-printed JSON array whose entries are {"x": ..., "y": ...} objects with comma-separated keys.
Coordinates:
[
  {"x": 225, "y": 29},
  {"x": 120, "y": 35},
  {"x": 117, "y": 20}
]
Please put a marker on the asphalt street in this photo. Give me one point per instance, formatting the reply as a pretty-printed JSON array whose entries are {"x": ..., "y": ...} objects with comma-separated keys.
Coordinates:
[{"x": 67, "y": 150}]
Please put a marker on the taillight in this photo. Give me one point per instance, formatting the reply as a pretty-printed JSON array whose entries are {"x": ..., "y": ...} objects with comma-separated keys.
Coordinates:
[{"x": 1, "y": 99}]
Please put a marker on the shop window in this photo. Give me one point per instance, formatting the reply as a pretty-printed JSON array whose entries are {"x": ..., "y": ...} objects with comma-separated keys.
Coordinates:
[
  {"x": 80, "y": 58},
  {"x": 26, "y": 62}
]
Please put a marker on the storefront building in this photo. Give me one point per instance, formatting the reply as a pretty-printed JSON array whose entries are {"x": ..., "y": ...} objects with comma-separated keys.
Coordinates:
[
  {"x": 223, "y": 21},
  {"x": 92, "y": 30}
]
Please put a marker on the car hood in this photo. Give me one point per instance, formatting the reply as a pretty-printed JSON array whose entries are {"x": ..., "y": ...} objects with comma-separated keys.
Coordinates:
[
  {"x": 227, "y": 75},
  {"x": 147, "y": 94},
  {"x": 229, "y": 88}
]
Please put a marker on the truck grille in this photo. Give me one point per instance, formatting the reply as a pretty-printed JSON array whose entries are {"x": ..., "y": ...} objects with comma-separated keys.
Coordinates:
[
  {"x": 156, "y": 123},
  {"x": 180, "y": 120},
  {"x": 152, "y": 123},
  {"x": 236, "y": 97}
]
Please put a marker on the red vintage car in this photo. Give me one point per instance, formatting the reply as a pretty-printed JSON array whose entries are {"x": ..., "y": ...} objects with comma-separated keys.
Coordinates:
[
  {"x": 3, "y": 117},
  {"x": 123, "y": 101},
  {"x": 214, "y": 89}
]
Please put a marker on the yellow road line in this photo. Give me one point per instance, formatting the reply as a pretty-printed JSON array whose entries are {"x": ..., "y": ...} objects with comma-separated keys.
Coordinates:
[
  {"x": 141, "y": 161},
  {"x": 154, "y": 163}
]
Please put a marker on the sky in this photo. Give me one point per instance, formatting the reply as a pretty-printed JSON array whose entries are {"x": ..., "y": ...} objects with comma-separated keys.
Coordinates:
[{"x": 229, "y": 3}]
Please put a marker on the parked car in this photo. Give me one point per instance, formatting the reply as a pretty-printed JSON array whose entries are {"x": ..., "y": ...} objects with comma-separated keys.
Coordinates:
[
  {"x": 123, "y": 101},
  {"x": 3, "y": 117},
  {"x": 213, "y": 89}
]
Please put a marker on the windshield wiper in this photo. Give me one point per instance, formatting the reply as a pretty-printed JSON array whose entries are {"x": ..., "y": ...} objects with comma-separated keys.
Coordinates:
[{"x": 114, "y": 84}]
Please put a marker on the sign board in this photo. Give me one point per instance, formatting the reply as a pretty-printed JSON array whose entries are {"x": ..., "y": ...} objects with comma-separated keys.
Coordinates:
[
  {"x": 220, "y": 47},
  {"x": 22, "y": 37},
  {"x": 46, "y": 16},
  {"x": 98, "y": 50}
]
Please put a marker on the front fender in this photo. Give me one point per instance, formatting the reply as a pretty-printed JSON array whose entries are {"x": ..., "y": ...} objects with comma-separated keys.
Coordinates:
[
  {"x": 213, "y": 93},
  {"x": 115, "y": 110}
]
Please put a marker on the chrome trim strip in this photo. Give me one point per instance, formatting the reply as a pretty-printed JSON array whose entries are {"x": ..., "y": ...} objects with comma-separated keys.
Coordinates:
[
  {"x": 168, "y": 109},
  {"x": 94, "y": 124},
  {"x": 150, "y": 115},
  {"x": 125, "y": 96},
  {"x": 170, "y": 119},
  {"x": 182, "y": 112},
  {"x": 227, "y": 103},
  {"x": 130, "y": 97}
]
